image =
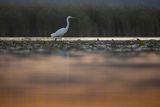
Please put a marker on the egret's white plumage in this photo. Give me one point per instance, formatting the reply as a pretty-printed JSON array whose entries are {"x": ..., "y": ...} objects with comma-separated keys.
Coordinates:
[{"x": 62, "y": 31}]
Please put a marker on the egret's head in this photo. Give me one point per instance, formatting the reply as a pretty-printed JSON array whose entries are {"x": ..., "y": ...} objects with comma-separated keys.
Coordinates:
[{"x": 70, "y": 17}]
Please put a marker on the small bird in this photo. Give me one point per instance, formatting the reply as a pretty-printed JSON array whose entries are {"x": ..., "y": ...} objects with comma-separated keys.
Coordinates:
[{"x": 62, "y": 31}]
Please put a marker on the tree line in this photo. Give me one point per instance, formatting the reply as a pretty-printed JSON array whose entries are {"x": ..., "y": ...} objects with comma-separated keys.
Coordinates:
[{"x": 91, "y": 20}]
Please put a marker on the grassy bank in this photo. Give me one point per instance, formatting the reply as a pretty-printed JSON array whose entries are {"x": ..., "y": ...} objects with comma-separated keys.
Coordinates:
[
  {"x": 49, "y": 46},
  {"x": 91, "y": 20}
]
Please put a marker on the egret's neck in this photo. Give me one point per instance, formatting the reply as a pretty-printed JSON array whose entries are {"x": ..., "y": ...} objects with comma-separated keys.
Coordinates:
[{"x": 67, "y": 24}]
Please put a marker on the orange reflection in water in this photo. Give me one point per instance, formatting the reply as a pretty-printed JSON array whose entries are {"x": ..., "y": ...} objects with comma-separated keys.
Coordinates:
[{"x": 80, "y": 80}]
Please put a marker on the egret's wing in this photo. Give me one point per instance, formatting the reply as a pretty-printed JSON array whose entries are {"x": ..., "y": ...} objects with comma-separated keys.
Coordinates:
[{"x": 60, "y": 32}]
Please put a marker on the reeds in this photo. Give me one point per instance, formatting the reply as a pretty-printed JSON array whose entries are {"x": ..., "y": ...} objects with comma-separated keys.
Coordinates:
[{"x": 91, "y": 20}]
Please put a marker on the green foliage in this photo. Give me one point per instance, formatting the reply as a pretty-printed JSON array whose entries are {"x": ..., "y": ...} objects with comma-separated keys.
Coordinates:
[
  {"x": 140, "y": 42},
  {"x": 91, "y": 20}
]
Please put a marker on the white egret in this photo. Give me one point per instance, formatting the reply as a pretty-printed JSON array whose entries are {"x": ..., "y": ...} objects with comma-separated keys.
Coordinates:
[{"x": 62, "y": 31}]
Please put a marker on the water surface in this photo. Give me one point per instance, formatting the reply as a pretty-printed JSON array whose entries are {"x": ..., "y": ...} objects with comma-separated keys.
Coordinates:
[{"x": 80, "y": 79}]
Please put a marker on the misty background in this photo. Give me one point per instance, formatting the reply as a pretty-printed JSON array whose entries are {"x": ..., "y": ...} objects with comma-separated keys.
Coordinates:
[{"x": 149, "y": 3}]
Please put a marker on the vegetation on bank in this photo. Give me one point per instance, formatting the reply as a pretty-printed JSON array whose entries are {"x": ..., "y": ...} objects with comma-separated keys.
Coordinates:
[
  {"x": 40, "y": 46},
  {"x": 91, "y": 20}
]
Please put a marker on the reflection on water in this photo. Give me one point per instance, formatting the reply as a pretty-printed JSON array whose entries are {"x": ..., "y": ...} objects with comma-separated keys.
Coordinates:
[{"x": 77, "y": 79}]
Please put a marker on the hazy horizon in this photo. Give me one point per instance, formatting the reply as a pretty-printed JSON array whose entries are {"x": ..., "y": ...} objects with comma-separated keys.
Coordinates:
[{"x": 149, "y": 3}]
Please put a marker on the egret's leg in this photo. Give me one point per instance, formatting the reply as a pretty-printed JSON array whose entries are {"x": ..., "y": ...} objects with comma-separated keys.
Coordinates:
[
  {"x": 55, "y": 38},
  {"x": 60, "y": 38}
]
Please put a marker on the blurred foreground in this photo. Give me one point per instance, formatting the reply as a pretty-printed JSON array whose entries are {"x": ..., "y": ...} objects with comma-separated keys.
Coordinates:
[{"x": 80, "y": 79}]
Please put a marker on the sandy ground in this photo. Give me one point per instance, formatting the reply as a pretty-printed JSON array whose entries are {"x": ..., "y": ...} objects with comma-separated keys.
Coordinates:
[{"x": 75, "y": 38}]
